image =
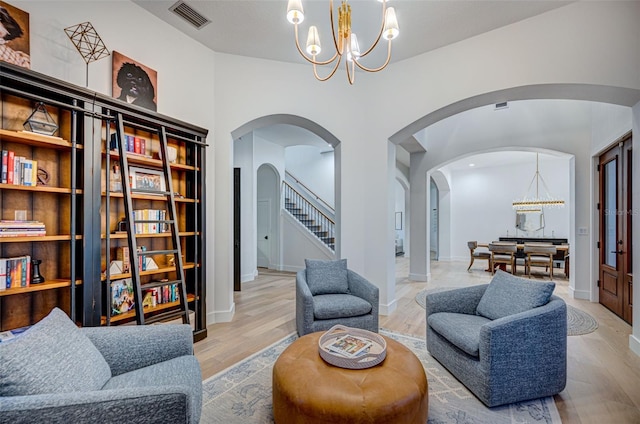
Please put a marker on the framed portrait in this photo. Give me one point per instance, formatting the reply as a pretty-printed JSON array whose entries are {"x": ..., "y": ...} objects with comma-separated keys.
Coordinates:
[
  {"x": 146, "y": 179},
  {"x": 134, "y": 82},
  {"x": 15, "y": 43}
]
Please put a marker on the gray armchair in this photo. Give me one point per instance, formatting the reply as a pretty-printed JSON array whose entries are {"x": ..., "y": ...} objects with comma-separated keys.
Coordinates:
[
  {"x": 58, "y": 373},
  {"x": 505, "y": 341},
  {"x": 327, "y": 293}
]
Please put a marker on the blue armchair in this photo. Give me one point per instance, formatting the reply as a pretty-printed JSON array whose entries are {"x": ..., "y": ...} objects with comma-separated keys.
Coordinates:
[
  {"x": 505, "y": 341},
  {"x": 327, "y": 293},
  {"x": 56, "y": 372}
]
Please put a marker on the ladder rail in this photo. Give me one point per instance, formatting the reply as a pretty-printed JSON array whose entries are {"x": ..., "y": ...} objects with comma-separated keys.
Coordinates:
[{"x": 134, "y": 253}]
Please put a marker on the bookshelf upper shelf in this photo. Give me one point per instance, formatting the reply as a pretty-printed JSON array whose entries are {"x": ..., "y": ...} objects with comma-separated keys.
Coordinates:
[{"x": 34, "y": 139}]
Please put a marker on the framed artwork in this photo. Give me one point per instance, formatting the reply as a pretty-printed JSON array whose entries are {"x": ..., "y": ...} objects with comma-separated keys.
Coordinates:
[
  {"x": 133, "y": 82},
  {"x": 146, "y": 179},
  {"x": 14, "y": 36}
]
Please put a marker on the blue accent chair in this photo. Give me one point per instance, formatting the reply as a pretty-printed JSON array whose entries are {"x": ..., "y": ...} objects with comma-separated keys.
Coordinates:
[
  {"x": 327, "y": 293},
  {"x": 505, "y": 341},
  {"x": 55, "y": 372}
]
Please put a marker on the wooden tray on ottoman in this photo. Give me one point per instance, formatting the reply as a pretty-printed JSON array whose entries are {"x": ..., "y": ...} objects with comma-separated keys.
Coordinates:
[{"x": 352, "y": 348}]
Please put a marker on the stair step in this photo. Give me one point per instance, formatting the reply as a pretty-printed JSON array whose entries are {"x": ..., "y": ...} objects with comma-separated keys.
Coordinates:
[
  {"x": 314, "y": 228},
  {"x": 304, "y": 221},
  {"x": 321, "y": 233},
  {"x": 328, "y": 239}
]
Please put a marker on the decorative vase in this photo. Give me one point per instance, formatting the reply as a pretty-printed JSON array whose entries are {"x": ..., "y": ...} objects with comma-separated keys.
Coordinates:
[{"x": 36, "y": 277}]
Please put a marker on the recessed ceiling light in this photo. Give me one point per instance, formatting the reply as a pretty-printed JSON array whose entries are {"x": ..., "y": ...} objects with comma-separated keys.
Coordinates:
[{"x": 472, "y": 164}]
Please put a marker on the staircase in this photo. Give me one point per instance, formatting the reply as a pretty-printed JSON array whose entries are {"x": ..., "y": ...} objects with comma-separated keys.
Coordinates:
[{"x": 308, "y": 215}]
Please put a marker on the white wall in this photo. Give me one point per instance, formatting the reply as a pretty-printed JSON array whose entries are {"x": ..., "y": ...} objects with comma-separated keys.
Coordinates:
[
  {"x": 299, "y": 244},
  {"x": 314, "y": 167},
  {"x": 481, "y": 201}
]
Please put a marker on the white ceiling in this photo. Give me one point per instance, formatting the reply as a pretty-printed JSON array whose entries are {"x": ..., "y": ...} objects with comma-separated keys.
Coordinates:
[{"x": 258, "y": 28}]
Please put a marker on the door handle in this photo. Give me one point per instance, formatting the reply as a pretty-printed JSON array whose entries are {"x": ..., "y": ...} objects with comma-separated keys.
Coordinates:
[
  {"x": 266, "y": 237},
  {"x": 619, "y": 252}
]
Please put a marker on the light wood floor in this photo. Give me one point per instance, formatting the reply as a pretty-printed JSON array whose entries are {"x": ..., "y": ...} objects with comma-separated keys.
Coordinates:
[{"x": 603, "y": 374}]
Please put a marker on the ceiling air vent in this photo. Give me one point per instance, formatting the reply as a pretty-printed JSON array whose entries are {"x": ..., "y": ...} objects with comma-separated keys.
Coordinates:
[
  {"x": 189, "y": 14},
  {"x": 502, "y": 105}
]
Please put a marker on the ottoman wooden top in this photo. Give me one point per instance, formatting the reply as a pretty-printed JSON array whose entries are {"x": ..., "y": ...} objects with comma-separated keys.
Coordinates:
[{"x": 308, "y": 389}]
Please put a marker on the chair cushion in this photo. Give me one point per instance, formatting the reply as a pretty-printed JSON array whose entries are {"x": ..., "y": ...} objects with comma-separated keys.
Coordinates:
[
  {"x": 53, "y": 356},
  {"x": 486, "y": 255},
  {"x": 325, "y": 277},
  {"x": 507, "y": 295},
  {"x": 462, "y": 330},
  {"x": 331, "y": 306}
]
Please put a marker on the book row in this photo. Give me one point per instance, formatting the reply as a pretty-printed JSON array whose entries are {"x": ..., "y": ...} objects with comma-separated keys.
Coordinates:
[
  {"x": 18, "y": 170},
  {"x": 22, "y": 228},
  {"x": 150, "y": 215},
  {"x": 123, "y": 296},
  {"x": 132, "y": 144},
  {"x": 15, "y": 272}
]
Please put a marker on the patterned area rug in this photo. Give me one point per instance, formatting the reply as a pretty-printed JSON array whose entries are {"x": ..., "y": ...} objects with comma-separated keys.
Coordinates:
[
  {"x": 579, "y": 322},
  {"x": 241, "y": 394}
]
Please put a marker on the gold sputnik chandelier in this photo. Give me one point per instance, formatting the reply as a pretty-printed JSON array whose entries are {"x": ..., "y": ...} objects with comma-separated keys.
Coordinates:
[
  {"x": 534, "y": 202},
  {"x": 344, "y": 41}
]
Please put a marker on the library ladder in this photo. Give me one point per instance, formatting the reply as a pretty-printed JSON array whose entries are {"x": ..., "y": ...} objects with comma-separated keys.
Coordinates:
[{"x": 136, "y": 255}]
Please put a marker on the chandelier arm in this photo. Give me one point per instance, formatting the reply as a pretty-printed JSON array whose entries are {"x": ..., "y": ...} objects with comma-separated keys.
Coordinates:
[
  {"x": 313, "y": 61},
  {"x": 375, "y": 43},
  {"x": 364, "y": 68},
  {"x": 333, "y": 71},
  {"x": 544, "y": 184}
]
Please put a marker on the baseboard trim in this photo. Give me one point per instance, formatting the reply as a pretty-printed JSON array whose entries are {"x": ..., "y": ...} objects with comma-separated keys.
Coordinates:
[
  {"x": 247, "y": 277},
  {"x": 579, "y": 294},
  {"x": 221, "y": 316},
  {"x": 418, "y": 277},
  {"x": 389, "y": 308},
  {"x": 291, "y": 268},
  {"x": 634, "y": 344}
]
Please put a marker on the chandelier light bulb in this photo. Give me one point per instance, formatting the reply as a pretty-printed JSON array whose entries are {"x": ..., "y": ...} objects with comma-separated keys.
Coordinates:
[
  {"x": 313, "y": 41},
  {"x": 354, "y": 48},
  {"x": 391, "y": 29},
  {"x": 295, "y": 14}
]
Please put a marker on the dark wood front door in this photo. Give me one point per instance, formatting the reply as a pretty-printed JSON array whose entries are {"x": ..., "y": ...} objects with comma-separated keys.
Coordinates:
[{"x": 615, "y": 278}]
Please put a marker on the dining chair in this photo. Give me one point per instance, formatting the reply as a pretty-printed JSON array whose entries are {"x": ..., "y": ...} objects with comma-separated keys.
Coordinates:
[
  {"x": 503, "y": 253},
  {"x": 538, "y": 254},
  {"x": 473, "y": 245}
]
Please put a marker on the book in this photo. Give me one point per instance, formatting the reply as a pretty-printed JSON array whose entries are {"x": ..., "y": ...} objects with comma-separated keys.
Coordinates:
[
  {"x": 350, "y": 346},
  {"x": 3, "y": 274},
  {"x": 123, "y": 255},
  {"x": 122, "y": 296},
  {"x": 5, "y": 158},
  {"x": 10, "y": 166}
]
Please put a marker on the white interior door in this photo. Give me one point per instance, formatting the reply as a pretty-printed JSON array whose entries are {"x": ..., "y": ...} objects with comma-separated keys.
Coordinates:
[{"x": 264, "y": 233}]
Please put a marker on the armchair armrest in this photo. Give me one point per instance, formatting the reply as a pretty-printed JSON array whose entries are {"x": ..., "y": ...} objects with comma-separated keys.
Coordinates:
[
  {"x": 363, "y": 288},
  {"x": 532, "y": 345},
  {"x": 168, "y": 403},
  {"x": 127, "y": 348},
  {"x": 463, "y": 300},
  {"x": 304, "y": 303}
]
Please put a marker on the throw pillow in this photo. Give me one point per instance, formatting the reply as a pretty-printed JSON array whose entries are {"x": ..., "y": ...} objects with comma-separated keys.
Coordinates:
[
  {"x": 53, "y": 356},
  {"x": 507, "y": 295},
  {"x": 327, "y": 277}
]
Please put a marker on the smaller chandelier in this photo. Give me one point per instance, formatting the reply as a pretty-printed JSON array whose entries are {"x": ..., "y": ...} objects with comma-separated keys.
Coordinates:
[
  {"x": 535, "y": 203},
  {"x": 345, "y": 42}
]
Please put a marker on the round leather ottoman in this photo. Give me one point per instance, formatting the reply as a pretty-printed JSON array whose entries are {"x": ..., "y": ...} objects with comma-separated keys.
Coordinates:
[{"x": 308, "y": 390}]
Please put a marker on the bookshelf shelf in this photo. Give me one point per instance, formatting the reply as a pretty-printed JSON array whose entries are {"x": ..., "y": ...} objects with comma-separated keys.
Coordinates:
[
  {"x": 162, "y": 270},
  {"x": 150, "y": 235},
  {"x": 47, "y": 285},
  {"x": 162, "y": 307},
  {"x": 37, "y": 239},
  {"x": 36, "y": 140},
  {"x": 39, "y": 189}
]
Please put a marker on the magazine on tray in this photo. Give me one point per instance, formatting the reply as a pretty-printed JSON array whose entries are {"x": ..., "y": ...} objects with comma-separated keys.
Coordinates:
[{"x": 350, "y": 346}]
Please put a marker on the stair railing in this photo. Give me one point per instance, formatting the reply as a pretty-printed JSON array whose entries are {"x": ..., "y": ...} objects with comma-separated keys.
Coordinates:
[
  {"x": 310, "y": 195},
  {"x": 309, "y": 215}
]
